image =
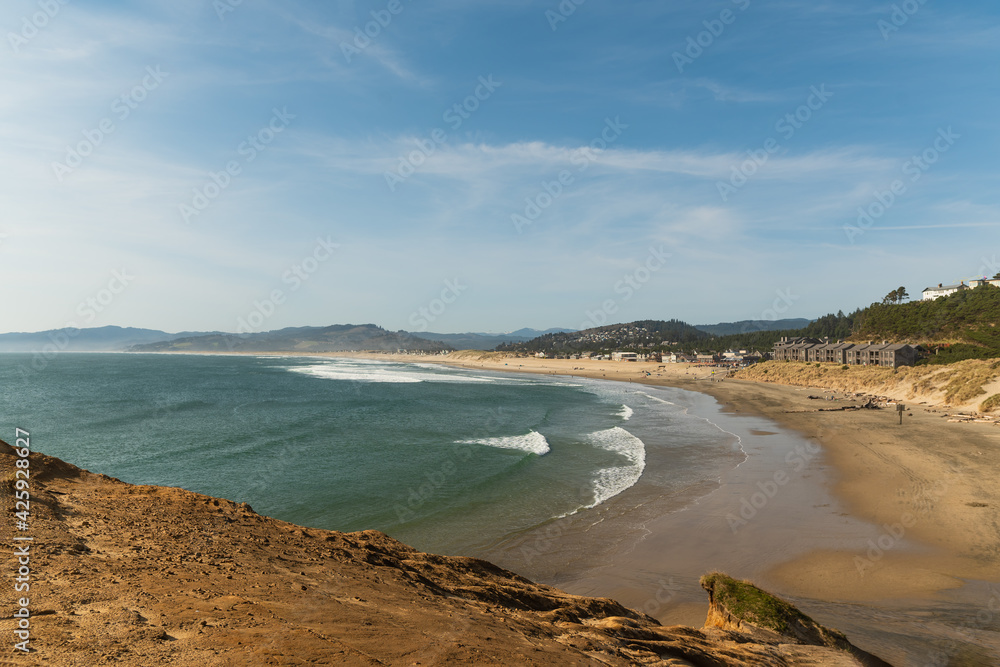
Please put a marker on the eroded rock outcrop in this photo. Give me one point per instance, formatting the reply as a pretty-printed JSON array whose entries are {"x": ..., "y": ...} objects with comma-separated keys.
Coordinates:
[{"x": 741, "y": 607}]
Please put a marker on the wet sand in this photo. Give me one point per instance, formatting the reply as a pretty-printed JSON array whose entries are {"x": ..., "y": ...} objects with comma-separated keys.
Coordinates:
[{"x": 890, "y": 532}]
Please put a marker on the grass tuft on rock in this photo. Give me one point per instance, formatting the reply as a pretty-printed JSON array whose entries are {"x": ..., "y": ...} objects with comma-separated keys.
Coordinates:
[{"x": 749, "y": 604}]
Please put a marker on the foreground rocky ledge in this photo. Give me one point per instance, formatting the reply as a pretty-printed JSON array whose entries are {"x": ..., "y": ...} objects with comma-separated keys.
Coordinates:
[{"x": 124, "y": 574}]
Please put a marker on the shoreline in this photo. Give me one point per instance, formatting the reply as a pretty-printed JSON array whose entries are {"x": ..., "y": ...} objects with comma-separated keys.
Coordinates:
[
  {"x": 924, "y": 469},
  {"x": 917, "y": 501}
]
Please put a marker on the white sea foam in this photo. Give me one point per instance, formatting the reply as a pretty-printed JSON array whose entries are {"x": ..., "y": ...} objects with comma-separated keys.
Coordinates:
[
  {"x": 738, "y": 445},
  {"x": 339, "y": 373},
  {"x": 381, "y": 373},
  {"x": 533, "y": 443},
  {"x": 612, "y": 481},
  {"x": 654, "y": 398},
  {"x": 626, "y": 412},
  {"x": 369, "y": 370}
]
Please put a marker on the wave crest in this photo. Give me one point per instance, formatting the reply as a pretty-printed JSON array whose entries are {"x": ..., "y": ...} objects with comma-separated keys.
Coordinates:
[
  {"x": 533, "y": 443},
  {"x": 609, "y": 482}
]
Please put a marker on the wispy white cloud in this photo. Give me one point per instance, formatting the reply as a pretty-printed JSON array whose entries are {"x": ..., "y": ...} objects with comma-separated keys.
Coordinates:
[
  {"x": 465, "y": 161},
  {"x": 326, "y": 174},
  {"x": 949, "y": 225},
  {"x": 727, "y": 93}
]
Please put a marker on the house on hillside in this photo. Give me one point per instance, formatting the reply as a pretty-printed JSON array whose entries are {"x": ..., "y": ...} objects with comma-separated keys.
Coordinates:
[
  {"x": 985, "y": 281},
  {"x": 942, "y": 290}
]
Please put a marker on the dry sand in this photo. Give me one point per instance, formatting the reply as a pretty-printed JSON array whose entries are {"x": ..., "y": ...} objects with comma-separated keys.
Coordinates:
[{"x": 918, "y": 504}]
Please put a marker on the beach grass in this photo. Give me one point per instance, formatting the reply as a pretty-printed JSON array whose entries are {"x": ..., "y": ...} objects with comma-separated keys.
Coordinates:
[
  {"x": 958, "y": 384},
  {"x": 749, "y": 604},
  {"x": 990, "y": 404}
]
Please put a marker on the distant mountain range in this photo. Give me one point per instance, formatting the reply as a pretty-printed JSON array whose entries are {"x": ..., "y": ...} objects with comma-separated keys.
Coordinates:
[
  {"x": 337, "y": 338},
  {"x": 748, "y": 326},
  {"x": 345, "y": 337},
  {"x": 101, "y": 339},
  {"x": 329, "y": 339}
]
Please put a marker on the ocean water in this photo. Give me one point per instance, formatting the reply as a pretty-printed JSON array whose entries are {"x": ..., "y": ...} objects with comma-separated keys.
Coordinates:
[
  {"x": 448, "y": 460},
  {"x": 578, "y": 483}
]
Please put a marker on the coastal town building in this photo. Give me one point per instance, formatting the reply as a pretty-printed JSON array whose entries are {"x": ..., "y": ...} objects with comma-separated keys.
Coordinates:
[
  {"x": 891, "y": 355},
  {"x": 793, "y": 349},
  {"x": 945, "y": 290},
  {"x": 942, "y": 290},
  {"x": 835, "y": 353},
  {"x": 624, "y": 356}
]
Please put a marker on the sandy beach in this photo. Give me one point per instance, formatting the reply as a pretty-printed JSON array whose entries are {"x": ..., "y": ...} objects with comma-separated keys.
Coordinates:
[{"x": 853, "y": 510}]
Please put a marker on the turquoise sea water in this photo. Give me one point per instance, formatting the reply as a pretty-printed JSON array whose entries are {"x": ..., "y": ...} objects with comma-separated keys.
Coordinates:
[{"x": 449, "y": 460}]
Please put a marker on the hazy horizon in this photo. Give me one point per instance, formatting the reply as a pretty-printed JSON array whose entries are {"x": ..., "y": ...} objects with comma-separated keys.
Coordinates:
[{"x": 318, "y": 326}]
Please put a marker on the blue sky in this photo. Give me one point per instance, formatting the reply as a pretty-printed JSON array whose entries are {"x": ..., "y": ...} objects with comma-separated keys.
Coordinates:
[{"x": 191, "y": 165}]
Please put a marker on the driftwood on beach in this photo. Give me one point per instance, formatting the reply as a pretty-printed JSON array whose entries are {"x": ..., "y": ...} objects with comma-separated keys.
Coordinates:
[{"x": 870, "y": 404}]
